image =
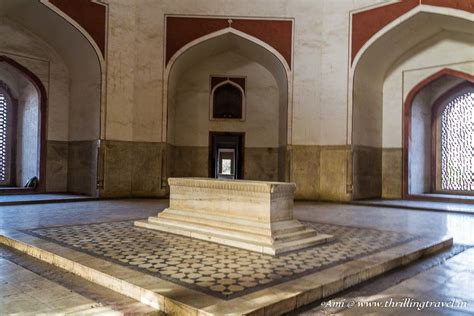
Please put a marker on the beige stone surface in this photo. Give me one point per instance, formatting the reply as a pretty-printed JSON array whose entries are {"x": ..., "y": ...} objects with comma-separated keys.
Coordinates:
[
  {"x": 392, "y": 173},
  {"x": 133, "y": 168},
  {"x": 335, "y": 168},
  {"x": 261, "y": 164},
  {"x": 57, "y": 166},
  {"x": 188, "y": 161},
  {"x": 193, "y": 161},
  {"x": 367, "y": 164},
  {"x": 82, "y": 167},
  {"x": 252, "y": 215},
  {"x": 305, "y": 171}
]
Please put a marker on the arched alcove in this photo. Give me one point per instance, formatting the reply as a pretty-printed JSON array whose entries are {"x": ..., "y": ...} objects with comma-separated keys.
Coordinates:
[
  {"x": 263, "y": 126},
  {"x": 26, "y": 128},
  {"x": 422, "y": 111},
  {"x": 413, "y": 44},
  {"x": 68, "y": 63}
]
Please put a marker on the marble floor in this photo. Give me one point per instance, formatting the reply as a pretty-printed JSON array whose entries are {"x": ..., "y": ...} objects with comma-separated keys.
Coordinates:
[
  {"x": 23, "y": 291},
  {"x": 447, "y": 283},
  {"x": 21, "y": 199},
  {"x": 421, "y": 205},
  {"x": 30, "y": 286},
  {"x": 455, "y": 270}
]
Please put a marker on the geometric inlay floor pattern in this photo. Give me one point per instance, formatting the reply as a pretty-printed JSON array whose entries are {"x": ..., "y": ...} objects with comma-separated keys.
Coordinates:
[{"x": 215, "y": 269}]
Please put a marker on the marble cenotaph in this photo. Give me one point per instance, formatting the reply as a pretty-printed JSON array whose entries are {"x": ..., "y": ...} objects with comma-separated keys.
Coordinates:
[{"x": 252, "y": 215}]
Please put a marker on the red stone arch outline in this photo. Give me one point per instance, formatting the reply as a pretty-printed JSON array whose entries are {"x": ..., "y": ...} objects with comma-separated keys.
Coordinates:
[
  {"x": 88, "y": 16},
  {"x": 182, "y": 30},
  {"x": 366, "y": 23},
  {"x": 90, "y": 19}
]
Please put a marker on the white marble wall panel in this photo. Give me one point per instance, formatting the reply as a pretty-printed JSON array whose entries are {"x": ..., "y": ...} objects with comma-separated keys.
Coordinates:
[
  {"x": 122, "y": 57},
  {"x": 147, "y": 111},
  {"x": 27, "y": 138},
  {"x": 136, "y": 40}
]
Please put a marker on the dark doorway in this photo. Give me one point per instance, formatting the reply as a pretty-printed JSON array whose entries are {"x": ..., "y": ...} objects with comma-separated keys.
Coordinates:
[{"x": 226, "y": 155}]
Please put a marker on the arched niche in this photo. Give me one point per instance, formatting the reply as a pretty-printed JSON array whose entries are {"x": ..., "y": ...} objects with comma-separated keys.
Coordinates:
[
  {"x": 218, "y": 97},
  {"x": 409, "y": 37},
  {"x": 422, "y": 109},
  {"x": 187, "y": 76},
  {"x": 29, "y": 127},
  {"x": 44, "y": 34}
]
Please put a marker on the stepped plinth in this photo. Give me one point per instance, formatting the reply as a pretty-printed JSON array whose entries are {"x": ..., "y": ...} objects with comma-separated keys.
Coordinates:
[{"x": 252, "y": 215}]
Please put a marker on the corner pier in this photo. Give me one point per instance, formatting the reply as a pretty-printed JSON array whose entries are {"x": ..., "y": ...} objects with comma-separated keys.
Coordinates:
[{"x": 252, "y": 215}]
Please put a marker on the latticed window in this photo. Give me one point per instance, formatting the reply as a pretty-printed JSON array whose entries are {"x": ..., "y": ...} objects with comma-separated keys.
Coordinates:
[
  {"x": 4, "y": 164},
  {"x": 457, "y": 144}
]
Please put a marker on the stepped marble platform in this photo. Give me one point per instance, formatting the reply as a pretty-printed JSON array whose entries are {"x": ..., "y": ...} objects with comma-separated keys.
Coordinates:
[
  {"x": 188, "y": 276},
  {"x": 252, "y": 215}
]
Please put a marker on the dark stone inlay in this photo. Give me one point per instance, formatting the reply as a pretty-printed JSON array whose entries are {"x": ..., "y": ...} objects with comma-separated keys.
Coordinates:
[{"x": 218, "y": 270}]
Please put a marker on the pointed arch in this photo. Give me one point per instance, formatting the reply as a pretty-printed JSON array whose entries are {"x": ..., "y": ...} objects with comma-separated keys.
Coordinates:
[
  {"x": 235, "y": 85},
  {"x": 42, "y": 107},
  {"x": 407, "y": 113},
  {"x": 101, "y": 57},
  {"x": 356, "y": 60},
  {"x": 367, "y": 74},
  {"x": 400, "y": 20},
  {"x": 169, "y": 66}
]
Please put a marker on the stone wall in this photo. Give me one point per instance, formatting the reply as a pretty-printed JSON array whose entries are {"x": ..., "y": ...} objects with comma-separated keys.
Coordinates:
[
  {"x": 135, "y": 86},
  {"x": 82, "y": 167},
  {"x": 392, "y": 173},
  {"x": 341, "y": 129},
  {"x": 135, "y": 169},
  {"x": 367, "y": 162},
  {"x": 321, "y": 172},
  {"x": 314, "y": 150},
  {"x": 193, "y": 161},
  {"x": 57, "y": 166},
  {"x": 132, "y": 169}
]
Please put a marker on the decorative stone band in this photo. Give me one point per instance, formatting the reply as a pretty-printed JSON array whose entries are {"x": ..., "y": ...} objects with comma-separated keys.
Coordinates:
[
  {"x": 252, "y": 215},
  {"x": 234, "y": 185}
]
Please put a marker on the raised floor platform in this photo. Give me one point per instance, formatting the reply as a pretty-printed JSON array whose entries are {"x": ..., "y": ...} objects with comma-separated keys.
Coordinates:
[{"x": 185, "y": 276}]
